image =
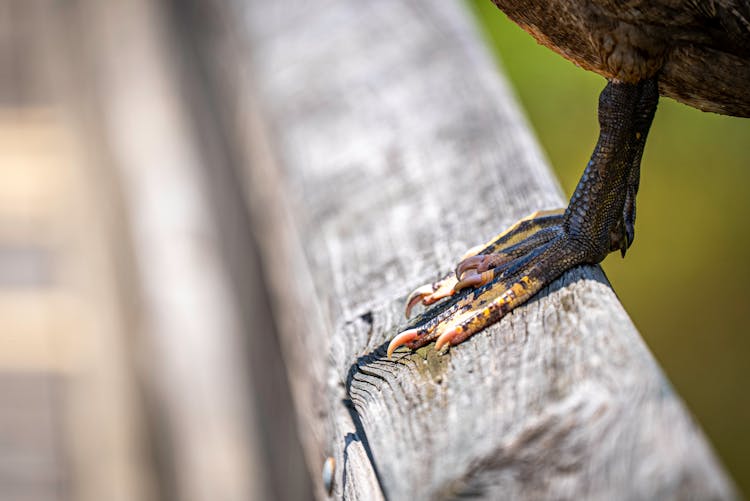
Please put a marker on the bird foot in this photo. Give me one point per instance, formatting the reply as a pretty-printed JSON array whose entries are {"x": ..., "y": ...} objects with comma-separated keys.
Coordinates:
[{"x": 490, "y": 281}]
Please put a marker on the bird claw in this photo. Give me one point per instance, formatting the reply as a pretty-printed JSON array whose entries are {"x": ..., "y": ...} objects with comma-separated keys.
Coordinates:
[
  {"x": 481, "y": 263},
  {"x": 417, "y": 296},
  {"x": 453, "y": 334},
  {"x": 401, "y": 339},
  {"x": 470, "y": 263},
  {"x": 499, "y": 271},
  {"x": 474, "y": 279},
  {"x": 448, "y": 337},
  {"x": 472, "y": 271},
  {"x": 431, "y": 293}
]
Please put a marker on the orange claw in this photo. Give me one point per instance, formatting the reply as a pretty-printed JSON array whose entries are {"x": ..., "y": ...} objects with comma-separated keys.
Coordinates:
[
  {"x": 447, "y": 337},
  {"x": 431, "y": 293},
  {"x": 401, "y": 339},
  {"x": 417, "y": 296}
]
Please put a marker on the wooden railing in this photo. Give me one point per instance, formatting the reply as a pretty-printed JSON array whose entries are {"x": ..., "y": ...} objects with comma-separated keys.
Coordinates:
[
  {"x": 272, "y": 179},
  {"x": 393, "y": 144}
]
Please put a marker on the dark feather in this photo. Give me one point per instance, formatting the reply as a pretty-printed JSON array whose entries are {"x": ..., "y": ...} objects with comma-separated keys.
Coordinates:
[{"x": 700, "y": 49}]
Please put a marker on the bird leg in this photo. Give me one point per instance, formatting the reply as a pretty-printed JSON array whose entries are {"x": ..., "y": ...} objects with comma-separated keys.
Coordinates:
[{"x": 506, "y": 272}]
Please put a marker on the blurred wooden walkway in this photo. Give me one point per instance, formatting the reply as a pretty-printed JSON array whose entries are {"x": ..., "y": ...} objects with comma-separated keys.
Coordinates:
[
  {"x": 61, "y": 374},
  {"x": 68, "y": 423},
  {"x": 125, "y": 364}
]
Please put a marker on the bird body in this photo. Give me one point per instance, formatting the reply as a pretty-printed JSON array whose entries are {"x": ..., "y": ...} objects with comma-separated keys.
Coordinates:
[{"x": 699, "y": 49}]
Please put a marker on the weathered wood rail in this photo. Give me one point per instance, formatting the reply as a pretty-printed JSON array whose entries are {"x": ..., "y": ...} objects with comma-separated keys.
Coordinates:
[
  {"x": 339, "y": 154},
  {"x": 380, "y": 143}
]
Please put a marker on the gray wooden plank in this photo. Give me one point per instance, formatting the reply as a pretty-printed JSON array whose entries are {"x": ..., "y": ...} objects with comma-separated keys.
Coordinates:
[{"x": 385, "y": 144}]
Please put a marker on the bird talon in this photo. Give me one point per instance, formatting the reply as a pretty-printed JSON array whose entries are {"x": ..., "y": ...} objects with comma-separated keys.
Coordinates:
[
  {"x": 501, "y": 277},
  {"x": 481, "y": 263},
  {"x": 401, "y": 339},
  {"x": 447, "y": 337},
  {"x": 470, "y": 263},
  {"x": 474, "y": 279},
  {"x": 431, "y": 293},
  {"x": 418, "y": 295}
]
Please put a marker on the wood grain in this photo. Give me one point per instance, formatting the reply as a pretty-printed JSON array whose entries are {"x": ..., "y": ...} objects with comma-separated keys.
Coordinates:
[{"x": 381, "y": 143}]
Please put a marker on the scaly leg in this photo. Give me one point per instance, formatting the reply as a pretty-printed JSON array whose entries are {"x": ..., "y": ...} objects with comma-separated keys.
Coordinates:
[{"x": 517, "y": 264}]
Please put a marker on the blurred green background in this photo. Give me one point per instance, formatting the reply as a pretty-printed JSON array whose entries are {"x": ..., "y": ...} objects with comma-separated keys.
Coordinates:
[{"x": 685, "y": 280}]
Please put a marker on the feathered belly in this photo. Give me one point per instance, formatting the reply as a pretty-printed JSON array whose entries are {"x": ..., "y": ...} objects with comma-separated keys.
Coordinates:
[{"x": 688, "y": 70}]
